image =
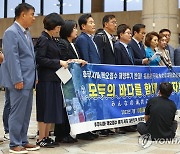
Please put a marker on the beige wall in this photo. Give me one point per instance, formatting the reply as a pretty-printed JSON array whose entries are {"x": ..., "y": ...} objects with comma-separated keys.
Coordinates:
[{"x": 129, "y": 18}]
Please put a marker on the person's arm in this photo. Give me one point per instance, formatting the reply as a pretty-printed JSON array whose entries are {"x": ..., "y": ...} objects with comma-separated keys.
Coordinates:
[
  {"x": 147, "y": 111},
  {"x": 146, "y": 117},
  {"x": 11, "y": 52}
]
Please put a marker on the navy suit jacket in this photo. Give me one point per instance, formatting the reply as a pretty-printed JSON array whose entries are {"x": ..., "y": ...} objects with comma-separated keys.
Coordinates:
[
  {"x": 122, "y": 57},
  {"x": 48, "y": 58},
  {"x": 177, "y": 56},
  {"x": 87, "y": 49},
  {"x": 105, "y": 49},
  {"x": 139, "y": 54}
]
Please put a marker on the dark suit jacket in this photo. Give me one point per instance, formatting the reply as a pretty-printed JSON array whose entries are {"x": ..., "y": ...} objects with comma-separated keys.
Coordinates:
[
  {"x": 87, "y": 49},
  {"x": 122, "y": 57},
  {"x": 105, "y": 49},
  {"x": 66, "y": 50},
  {"x": 177, "y": 56},
  {"x": 139, "y": 55},
  {"x": 47, "y": 58}
]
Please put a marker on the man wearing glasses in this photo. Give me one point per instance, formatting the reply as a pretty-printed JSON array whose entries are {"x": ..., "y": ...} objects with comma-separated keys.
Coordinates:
[{"x": 105, "y": 39}]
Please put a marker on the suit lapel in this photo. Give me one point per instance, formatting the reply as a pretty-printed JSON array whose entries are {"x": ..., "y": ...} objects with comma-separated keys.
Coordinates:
[
  {"x": 92, "y": 44},
  {"x": 138, "y": 49},
  {"x": 125, "y": 51},
  {"x": 109, "y": 44},
  {"x": 30, "y": 46}
]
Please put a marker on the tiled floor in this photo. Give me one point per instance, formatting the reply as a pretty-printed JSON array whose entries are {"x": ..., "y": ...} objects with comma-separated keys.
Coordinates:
[{"x": 127, "y": 143}]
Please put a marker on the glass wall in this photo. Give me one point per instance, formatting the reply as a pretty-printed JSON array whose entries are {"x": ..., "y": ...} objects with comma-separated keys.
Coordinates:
[
  {"x": 35, "y": 4},
  {"x": 71, "y": 6},
  {"x": 134, "y": 5},
  {"x": 11, "y": 7},
  {"x": 113, "y": 5},
  {"x": 87, "y": 6},
  {"x": 2, "y": 9},
  {"x": 51, "y": 6}
]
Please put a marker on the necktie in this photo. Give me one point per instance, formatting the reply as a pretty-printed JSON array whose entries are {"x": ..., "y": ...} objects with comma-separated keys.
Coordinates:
[
  {"x": 27, "y": 37},
  {"x": 142, "y": 48},
  {"x": 113, "y": 39},
  {"x": 130, "y": 54}
]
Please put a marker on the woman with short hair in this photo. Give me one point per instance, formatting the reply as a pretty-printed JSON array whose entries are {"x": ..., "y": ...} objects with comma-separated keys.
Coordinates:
[{"x": 49, "y": 99}]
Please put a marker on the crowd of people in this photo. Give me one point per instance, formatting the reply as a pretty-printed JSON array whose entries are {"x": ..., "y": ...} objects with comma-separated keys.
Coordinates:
[{"x": 24, "y": 67}]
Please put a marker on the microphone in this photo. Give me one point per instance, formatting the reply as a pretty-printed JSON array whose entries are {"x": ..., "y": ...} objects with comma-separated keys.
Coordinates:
[{"x": 167, "y": 65}]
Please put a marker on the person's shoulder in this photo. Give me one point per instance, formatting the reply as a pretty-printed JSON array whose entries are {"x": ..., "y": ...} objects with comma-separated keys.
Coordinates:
[
  {"x": 154, "y": 99},
  {"x": 11, "y": 30},
  {"x": 132, "y": 42},
  {"x": 63, "y": 43},
  {"x": 172, "y": 103},
  {"x": 177, "y": 49},
  {"x": 81, "y": 37},
  {"x": 117, "y": 43},
  {"x": 170, "y": 47}
]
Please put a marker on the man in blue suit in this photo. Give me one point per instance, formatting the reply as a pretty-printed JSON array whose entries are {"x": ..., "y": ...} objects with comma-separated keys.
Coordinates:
[
  {"x": 84, "y": 43},
  {"x": 88, "y": 51},
  {"x": 123, "y": 52},
  {"x": 19, "y": 76},
  {"x": 138, "y": 32}
]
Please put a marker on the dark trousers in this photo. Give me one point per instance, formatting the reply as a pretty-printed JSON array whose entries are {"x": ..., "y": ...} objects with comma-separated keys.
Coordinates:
[
  {"x": 62, "y": 130},
  {"x": 6, "y": 111},
  {"x": 143, "y": 129}
]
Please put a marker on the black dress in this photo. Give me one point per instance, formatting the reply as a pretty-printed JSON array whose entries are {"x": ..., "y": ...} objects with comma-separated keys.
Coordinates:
[
  {"x": 67, "y": 52},
  {"x": 49, "y": 98}
]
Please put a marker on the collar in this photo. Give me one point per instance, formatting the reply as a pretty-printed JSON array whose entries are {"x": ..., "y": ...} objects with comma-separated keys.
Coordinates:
[
  {"x": 124, "y": 44},
  {"x": 22, "y": 28},
  {"x": 90, "y": 35},
  {"x": 108, "y": 35},
  {"x": 135, "y": 40}
]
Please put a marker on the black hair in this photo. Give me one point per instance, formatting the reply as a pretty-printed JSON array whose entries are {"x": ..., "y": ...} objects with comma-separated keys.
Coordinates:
[
  {"x": 137, "y": 28},
  {"x": 164, "y": 30},
  {"x": 52, "y": 20},
  {"x": 83, "y": 20},
  {"x": 166, "y": 89},
  {"x": 23, "y": 7},
  {"x": 121, "y": 29},
  {"x": 67, "y": 28},
  {"x": 106, "y": 18}
]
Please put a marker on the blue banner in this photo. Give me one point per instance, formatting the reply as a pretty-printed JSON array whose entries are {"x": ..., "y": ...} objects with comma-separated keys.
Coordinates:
[{"x": 109, "y": 96}]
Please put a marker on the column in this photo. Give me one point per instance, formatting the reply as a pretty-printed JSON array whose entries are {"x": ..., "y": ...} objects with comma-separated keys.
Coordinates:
[{"x": 158, "y": 14}]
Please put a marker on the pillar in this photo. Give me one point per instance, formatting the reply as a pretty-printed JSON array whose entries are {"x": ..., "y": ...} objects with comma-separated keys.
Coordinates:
[{"x": 158, "y": 14}]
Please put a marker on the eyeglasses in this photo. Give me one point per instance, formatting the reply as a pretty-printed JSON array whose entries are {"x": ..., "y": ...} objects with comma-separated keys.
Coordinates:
[
  {"x": 113, "y": 22},
  {"x": 129, "y": 33}
]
